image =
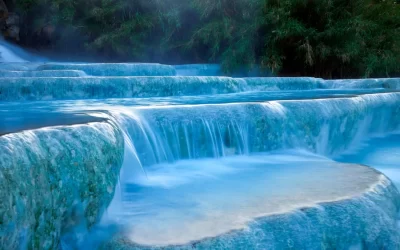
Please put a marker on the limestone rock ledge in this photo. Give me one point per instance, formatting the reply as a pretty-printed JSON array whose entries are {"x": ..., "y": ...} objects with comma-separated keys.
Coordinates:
[
  {"x": 52, "y": 179},
  {"x": 365, "y": 221}
]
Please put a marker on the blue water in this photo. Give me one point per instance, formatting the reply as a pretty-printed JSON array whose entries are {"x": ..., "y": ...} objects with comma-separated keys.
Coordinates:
[
  {"x": 382, "y": 153},
  {"x": 192, "y": 200},
  {"x": 146, "y": 156}
]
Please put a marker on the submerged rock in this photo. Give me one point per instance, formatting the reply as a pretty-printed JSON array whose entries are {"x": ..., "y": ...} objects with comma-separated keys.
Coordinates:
[{"x": 51, "y": 88}]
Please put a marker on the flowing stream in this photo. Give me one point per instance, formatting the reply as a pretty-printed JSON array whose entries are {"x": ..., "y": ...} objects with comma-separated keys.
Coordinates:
[{"x": 149, "y": 156}]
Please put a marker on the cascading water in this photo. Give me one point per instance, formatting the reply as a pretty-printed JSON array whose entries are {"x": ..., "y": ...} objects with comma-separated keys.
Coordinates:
[
  {"x": 7, "y": 55},
  {"x": 144, "y": 156},
  {"x": 13, "y": 54}
]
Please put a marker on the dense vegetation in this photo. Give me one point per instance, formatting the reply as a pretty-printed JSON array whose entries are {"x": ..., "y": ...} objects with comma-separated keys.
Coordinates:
[{"x": 327, "y": 38}]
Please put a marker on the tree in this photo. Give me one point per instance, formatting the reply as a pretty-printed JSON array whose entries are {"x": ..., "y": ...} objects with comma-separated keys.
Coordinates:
[
  {"x": 332, "y": 38},
  {"x": 323, "y": 38}
]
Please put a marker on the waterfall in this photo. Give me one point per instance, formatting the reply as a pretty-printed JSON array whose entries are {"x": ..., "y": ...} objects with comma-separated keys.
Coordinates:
[
  {"x": 12, "y": 54},
  {"x": 143, "y": 156},
  {"x": 56, "y": 179},
  {"x": 7, "y": 55}
]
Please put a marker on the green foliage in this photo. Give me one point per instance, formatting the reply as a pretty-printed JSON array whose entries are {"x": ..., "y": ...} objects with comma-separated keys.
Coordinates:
[
  {"x": 229, "y": 30},
  {"x": 333, "y": 38},
  {"x": 326, "y": 38}
]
